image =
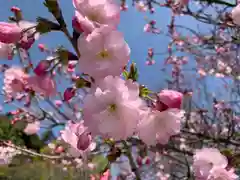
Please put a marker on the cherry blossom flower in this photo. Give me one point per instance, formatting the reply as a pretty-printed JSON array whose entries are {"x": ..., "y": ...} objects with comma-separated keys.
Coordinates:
[
  {"x": 32, "y": 128},
  {"x": 99, "y": 12},
  {"x": 14, "y": 80},
  {"x": 236, "y": 14},
  {"x": 205, "y": 159},
  {"x": 10, "y": 32},
  {"x": 7, "y": 154},
  {"x": 158, "y": 127},
  {"x": 6, "y": 51},
  {"x": 103, "y": 52},
  {"x": 76, "y": 135},
  {"x": 222, "y": 174},
  {"x": 113, "y": 109},
  {"x": 43, "y": 84}
]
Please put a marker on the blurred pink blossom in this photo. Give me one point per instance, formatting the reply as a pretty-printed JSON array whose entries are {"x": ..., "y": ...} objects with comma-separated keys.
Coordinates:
[
  {"x": 103, "y": 52},
  {"x": 14, "y": 80},
  {"x": 222, "y": 174},
  {"x": 204, "y": 160},
  {"x": 158, "y": 127},
  {"x": 10, "y": 32},
  {"x": 113, "y": 109},
  {"x": 32, "y": 128},
  {"x": 43, "y": 84}
]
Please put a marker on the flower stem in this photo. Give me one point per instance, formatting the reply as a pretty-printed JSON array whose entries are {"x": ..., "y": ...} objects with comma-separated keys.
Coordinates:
[{"x": 131, "y": 161}]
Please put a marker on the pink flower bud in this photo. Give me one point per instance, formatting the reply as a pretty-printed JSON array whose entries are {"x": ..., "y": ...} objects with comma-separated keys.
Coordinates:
[
  {"x": 15, "y": 9},
  {"x": 10, "y": 33},
  {"x": 84, "y": 141},
  {"x": 41, "y": 47},
  {"x": 59, "y": 150},
  {"x": 68, "y": 94},
  {"x": 139, "y": 161},
  {"x": 169, "y": 99},
  {"x": 42, "y": 67},
  {"x": 58, "y": 103}
]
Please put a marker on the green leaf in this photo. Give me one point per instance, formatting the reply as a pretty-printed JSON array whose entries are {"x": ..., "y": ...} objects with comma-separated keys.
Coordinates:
[
  {"x": 125, "y": 74},
  {"x": 133, "y": 73},
  {"x": 101, "y": 164},
  {"x": 80, "y": 83},
  {"x": 20, "y": 125},
  {"x": 144, "y": 92}
]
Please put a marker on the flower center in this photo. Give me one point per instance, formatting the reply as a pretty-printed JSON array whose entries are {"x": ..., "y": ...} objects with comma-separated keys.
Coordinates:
[
  {"x": 112, "y": 107},
  {"x": 103, "y": 54},
  {"x": 93, "y": 17}
]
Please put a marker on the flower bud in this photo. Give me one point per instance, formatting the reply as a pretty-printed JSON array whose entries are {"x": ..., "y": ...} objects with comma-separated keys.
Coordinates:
[
  {"x": 169, "y": 99},
  {"x": 42, "y": 67},
  {"x": 69, "y": 93}
]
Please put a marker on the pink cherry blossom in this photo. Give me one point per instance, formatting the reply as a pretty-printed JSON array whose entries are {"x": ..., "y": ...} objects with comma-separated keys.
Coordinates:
[
  {"x": 10, "y": 32},
  {"x": 14, "y": 80},
  {"x": 113, "y": 109},
  {"x": 75, "y": 134},
  {"x": 169, "y": 98},
  {"x": 6, "y": 51},
  {"x": 205, "y": 159},
  {"x": 97, "y": 12},
  {"x": 32, "y": 128},
  {"x": 236, "y": 14},
  {"x": 103, "y": 52},
  {"x": 43, "y": 84},
  {"x": 222, "y": 174},
  {"x": 158, "y": 127}
]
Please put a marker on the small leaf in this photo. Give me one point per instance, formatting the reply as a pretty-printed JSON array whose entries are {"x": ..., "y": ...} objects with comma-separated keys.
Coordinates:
[
  {"x": 144, "y": 92},
  {"x": 80, "y": 83},
  {"x": 125, "y": 74},
  {"x": 133, "y": 73},
  {"x": 101, "y": 163}
]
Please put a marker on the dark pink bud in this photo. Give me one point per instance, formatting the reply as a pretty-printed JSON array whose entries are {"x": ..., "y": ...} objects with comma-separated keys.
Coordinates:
[
  {"x": 84, "y": 141},
  {"x": 69, "y": 94},
  {"x": 59, "y": 149},
  {"x": 42, "y": 67},
  {"x": 10, "y": 33},
  {"x": 147, "y": 161},
  {"x": 169, "y": 99},
  {"x": 15, "y": 9},
  {"x": 152, "y": 22},
  {"x": 139, "y": 161},
  {"x": 41, "y": 47}
]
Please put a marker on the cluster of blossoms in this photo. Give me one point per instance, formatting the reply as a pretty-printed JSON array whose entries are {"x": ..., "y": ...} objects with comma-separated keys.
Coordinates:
[
  {"x": 7, "y": 154},
  {"x": 112, "y": 108},
  {"x": 210, "y": 164}
]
